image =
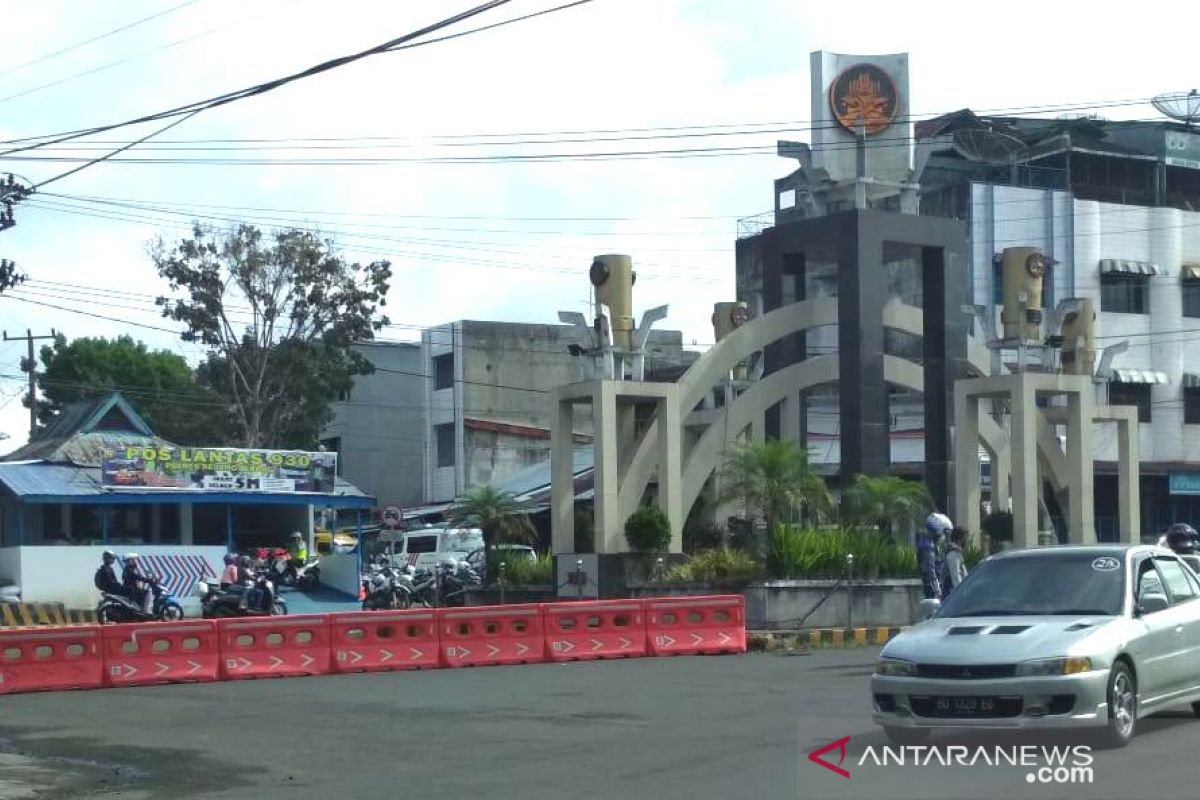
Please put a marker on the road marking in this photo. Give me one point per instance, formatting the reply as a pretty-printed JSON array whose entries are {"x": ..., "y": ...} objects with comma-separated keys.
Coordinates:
[
  {"x": 725, "y": 637},
  {"x": 522, "y": 648},
  {"x": 276, "y": 661},
  {"x": 596, "y": 644},
  {"x": 697, "y": 638},
  {"x": 493, "y": 651},
  {"x": 625, "y": 643},
  {"x": 194, "y": 667},
  {"x": 161, "y": 668}
]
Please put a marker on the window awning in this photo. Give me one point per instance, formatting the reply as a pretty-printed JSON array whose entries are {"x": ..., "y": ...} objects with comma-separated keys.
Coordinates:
[
  {"x": 1138, "y": 376},
  {"x": 1123, "y": 266},
  {"x": 1191, "y": 380},
  {"x": 1190, "y": 272}
]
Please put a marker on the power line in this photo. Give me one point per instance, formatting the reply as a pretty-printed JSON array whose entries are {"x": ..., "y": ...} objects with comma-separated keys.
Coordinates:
[{"x": 104, "y": 35}]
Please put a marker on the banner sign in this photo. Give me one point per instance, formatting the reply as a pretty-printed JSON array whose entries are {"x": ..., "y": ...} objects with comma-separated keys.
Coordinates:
[
  {"x": 1184, "y": 483},
  {"x": 217, "y": 469}
]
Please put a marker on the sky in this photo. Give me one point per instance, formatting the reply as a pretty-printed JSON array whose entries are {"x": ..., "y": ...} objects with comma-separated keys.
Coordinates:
[{"x": 509, "y": 240}]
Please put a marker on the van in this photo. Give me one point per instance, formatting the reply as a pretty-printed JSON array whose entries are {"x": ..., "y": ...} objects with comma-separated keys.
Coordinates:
[{"x": 426, "y": 547}]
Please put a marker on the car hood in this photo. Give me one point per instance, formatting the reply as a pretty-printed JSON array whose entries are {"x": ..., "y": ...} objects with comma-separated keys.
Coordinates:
[{"x": 995, "y": 640}]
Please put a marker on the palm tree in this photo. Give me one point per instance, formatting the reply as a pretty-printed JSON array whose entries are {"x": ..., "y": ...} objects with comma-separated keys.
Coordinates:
[
  {"x": 500, "y": 515},
  {"x": 887, "y": 501},
  {"x": 777, "y": 478}
]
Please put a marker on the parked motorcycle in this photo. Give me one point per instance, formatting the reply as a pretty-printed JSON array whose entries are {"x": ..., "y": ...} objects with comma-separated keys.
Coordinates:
[
  {"x": 286, "y": 573},
  {"x": 118, "y": 608},
  {"x": 217, "y": 603},
  {"x": 457, "y": 578},
  {"x": 383, "y": 587}
]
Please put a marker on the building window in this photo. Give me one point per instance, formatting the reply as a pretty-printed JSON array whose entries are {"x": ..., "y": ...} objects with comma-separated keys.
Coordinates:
[
  {"x": 1191, "y": 405},
  {"x": 1131, "y": 394},
  {"x": 1125, "y": 294},
  {"x": 1191, "y": 297},
  {"x": 445, "y": 444},
  {"x": 443, "y": 371}
]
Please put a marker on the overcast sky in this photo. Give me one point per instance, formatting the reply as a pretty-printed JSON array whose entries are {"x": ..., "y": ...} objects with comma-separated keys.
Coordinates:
[{"x": 607, "y": 65}]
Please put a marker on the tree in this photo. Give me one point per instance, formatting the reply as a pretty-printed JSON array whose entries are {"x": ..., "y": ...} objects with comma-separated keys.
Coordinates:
[
  {"x": 648, "y": 530},
  {"x": 279, "y": 315},
  {"x": 501, "y": 516},
  {"x": 887, "y": 501},
  {"x": 776, "y": 477},
  {"x": 158, "y": 383}
]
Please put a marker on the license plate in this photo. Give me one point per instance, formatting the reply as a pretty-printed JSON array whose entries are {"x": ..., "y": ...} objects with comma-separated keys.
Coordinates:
[{"x": 965, "y": 706}]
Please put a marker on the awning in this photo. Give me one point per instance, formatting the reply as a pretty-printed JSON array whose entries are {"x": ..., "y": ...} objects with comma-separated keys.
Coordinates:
[
  {"x": 1190, "y": 272},
  {"x": 1138, "y": 376},
  {"x": 1191, "y": 380},
  {"x": 1110, "y": 266}
]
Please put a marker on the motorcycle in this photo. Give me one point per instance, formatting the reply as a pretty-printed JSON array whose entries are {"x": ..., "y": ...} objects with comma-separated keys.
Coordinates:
[
  {"x": 385, "y": 588},
  {"x": 118, "y": 608},
  {"x": 286, "y": 573},
  {"x": 457, "y": 579},
  {"x": 217, "y": 603}
]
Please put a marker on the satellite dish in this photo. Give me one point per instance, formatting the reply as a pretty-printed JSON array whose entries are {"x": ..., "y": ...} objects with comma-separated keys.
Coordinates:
[
  {"x": 1181, "y": 106},
  {"x": 985, "y": 144}
]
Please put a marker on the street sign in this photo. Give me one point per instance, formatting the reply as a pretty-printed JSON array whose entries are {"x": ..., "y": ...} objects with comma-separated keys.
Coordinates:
[
  {"x": 392, "y": 516},
  {"x": 1184, "y": 483}
]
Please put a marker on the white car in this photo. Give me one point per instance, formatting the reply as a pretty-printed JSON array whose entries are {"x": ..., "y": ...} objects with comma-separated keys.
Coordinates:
[{"x": 1054, "y": 637}]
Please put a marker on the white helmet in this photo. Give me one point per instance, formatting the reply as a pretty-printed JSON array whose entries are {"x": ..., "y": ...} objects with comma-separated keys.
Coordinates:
[
  {"x": 938, "y": 524},
  {"x": 131, "y": 556}
]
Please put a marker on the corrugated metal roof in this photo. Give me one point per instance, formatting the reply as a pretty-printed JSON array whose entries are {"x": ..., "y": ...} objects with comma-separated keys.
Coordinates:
[
  {"x": 62, "y": 480},
  {"x": 1123, "y": 265},
  {"x": 532, "y": 479},
  {"x": 1139, "y": 376}
]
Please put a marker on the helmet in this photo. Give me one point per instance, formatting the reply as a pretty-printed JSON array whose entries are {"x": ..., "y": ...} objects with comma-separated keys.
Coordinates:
[
  {"x": 296, "y": 535},
  {"x": 938, "y": 524},
  {"x": 109, "y": 556},
  {"x": 230, "y": 558},
  {"x": 246, "y": 562},
  {"x": 131, "y": 557},
  {"x": 1182, "y": 538}
]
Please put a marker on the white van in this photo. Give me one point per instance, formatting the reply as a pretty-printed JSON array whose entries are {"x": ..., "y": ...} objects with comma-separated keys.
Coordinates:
[{"x": 426, "y": 547}]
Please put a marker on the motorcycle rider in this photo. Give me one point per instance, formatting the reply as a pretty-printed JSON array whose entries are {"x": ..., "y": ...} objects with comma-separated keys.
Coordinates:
[
  {"x": 137, "y": 583},
  {"x": 106, "y": 576},
  {"x": 246, "y": 580},
  {"x": 954, "y": 565},
  {"x": 1182, "y": 538},
  {"x": 229, "y": 576},
  {"x": 298, "y": 550},
  {"x": 937, "y": 525}
]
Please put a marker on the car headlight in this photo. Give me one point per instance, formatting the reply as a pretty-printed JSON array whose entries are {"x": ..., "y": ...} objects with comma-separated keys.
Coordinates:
[
  {"x": 1054, "y": 666},
  {"x": 896, "y": 668}
]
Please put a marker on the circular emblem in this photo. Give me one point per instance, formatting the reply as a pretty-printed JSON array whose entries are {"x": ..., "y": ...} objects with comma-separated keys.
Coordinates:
[
  {"x": 1035, "y": 264},
  {"x": 392, "y": 516},
  {"x": 739, "y": 315},
  {"x": 864, "y": 92},
  {"x": 1106, "y": 564}
]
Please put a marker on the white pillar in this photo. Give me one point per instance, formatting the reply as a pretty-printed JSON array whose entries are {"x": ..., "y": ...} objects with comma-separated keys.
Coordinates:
[
  {"x": 1025, "y": 487},
  {"x": 789, "y": 418},
  {"x": 185, "y": 524},
  {"x": 966, "y": 457},
  {"x": 1129, "y": 500},
  {"x": 609, "y": 536},
  {"x": 562, "y": 479},
  {"x": 1081, "y": 522},
  {"x": 670, "y": 465}
]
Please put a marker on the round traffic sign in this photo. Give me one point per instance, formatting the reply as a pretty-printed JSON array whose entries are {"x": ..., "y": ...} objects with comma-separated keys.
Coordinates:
[{"x": 392, "y": 516}]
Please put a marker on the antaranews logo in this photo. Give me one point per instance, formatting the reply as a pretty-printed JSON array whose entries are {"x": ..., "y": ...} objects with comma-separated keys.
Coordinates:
[{"x": 1042, "y": 764}]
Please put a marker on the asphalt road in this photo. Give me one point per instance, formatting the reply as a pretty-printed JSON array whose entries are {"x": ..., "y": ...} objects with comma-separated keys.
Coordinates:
[{"x": 688, "y": 728}]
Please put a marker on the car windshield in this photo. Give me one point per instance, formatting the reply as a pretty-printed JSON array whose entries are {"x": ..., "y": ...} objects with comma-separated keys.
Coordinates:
[{"x": 1042, "y": 584}]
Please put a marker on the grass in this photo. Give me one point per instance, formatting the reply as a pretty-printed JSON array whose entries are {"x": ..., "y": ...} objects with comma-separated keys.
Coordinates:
[{"x": 523, "y": 571}]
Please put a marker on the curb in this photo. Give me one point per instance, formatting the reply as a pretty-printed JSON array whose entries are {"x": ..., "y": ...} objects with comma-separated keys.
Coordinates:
[
  {"x": 769, "y": 641},
  {"x": 30, "y": 615}
]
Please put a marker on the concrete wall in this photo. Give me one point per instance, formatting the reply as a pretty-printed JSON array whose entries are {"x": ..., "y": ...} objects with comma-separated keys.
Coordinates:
[
  {"x": 780, "y": 605},
  {"x": 381, "y": 425},
  {"x": 64, "y": 574}
]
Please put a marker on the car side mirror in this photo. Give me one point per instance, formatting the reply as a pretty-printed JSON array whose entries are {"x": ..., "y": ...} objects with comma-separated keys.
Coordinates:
[
  {"x": 928, "y": 608},
  {"x": 1151, "y": 603}
]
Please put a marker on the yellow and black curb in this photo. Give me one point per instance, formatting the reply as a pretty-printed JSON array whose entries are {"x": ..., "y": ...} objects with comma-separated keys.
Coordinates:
[
  {"x": 803, "y": 640},
  {"x": 28, "y": 615}
]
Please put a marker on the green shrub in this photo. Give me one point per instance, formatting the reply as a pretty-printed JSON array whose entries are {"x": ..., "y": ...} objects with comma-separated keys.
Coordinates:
[
  {"x": 648, "y": 530},
  {"x": 521, "y": 571},
  {"x": 715, "y": 566},
  {"x": 810, "y": 553}
]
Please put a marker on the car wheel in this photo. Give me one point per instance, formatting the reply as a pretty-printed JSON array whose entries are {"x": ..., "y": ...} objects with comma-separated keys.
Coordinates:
[
  {"x": 906, "y": 736},
  {"x": 1122, "y": 707}
]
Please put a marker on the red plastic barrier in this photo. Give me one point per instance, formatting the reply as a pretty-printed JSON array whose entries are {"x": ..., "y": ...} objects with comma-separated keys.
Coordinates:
[
  {"x": 491, "y": 635},
  {"x": 267, "y": 647},
  {"x": 600, "y": 629},
  {"x": 160, "y": 652},
  {"x": 368, "y": 641},
  {"x": 681, "y": 625},
  {"x": 46, "y": 659}
]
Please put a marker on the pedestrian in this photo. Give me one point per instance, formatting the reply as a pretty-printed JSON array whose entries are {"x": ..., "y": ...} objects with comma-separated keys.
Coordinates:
[
  {"x": 937, "y": 525},
  {"x": 954, "y": 564}
]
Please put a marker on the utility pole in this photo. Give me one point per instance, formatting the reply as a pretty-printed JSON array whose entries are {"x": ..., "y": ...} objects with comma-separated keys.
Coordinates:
[{"x": 29, "y": 365}]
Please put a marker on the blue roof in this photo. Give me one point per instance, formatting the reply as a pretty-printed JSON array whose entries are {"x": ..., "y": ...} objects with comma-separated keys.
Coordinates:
[{"x": 41, "y": 482}]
